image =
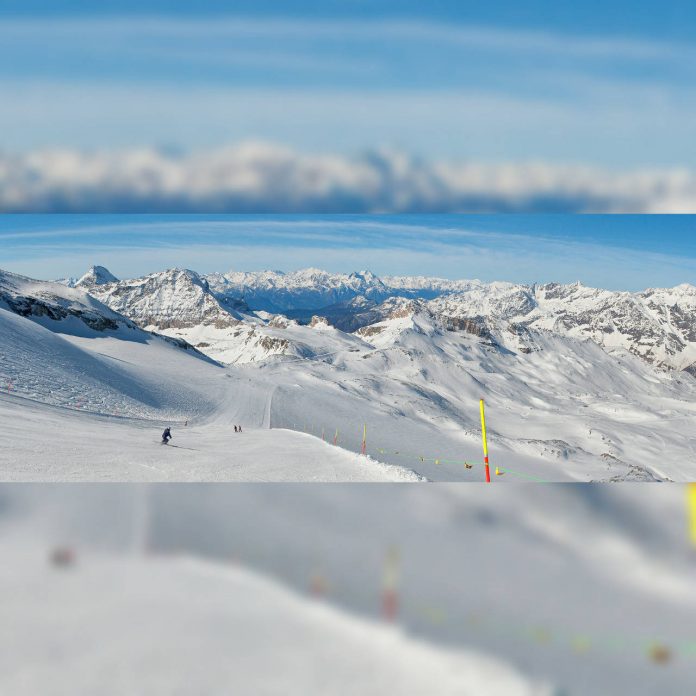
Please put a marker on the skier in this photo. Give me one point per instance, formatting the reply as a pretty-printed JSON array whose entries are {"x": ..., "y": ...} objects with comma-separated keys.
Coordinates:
[
  {"x": 239, "y": 428},
  {"x": 235, "y": 428},
  {"x": 166, "y": 436}
]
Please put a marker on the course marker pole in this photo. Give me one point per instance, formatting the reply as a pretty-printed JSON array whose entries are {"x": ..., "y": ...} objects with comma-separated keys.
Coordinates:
[
  {"x": 318, "y": 584},
  {"x": 336, "y": 437},
  {"x": 485, "y": 443},
  {"x": 691, "y": 502},
  {"x": 364, "y": 440},
  {"x": 390, "y": 595}
]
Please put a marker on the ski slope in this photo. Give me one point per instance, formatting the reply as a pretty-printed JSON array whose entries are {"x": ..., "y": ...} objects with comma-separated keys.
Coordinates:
[
  {"x": 108, "y": 373},
  {"x": 43, "y": 443},
  {"x": 115, "y": 625},
  {"x": 92, "y": 405}
]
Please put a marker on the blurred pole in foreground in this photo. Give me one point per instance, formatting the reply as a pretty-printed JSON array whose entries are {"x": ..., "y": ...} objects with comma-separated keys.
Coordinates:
[
  {"x": 390, "y": 599},
  {"x": 141, "y": 519},
  {"x": 691, "y": 508}
]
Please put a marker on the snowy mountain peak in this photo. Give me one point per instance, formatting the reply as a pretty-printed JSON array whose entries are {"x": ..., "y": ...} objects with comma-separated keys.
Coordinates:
[
  {"x": 168, "y": 299},
  {"x": 96, "y": 275},
  {"x": 180, "y": 274},
  {"x": 367, "y": 277}
]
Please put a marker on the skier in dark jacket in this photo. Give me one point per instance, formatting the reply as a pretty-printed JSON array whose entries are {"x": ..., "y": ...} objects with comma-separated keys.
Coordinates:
[{"x": 166, "y": 436}]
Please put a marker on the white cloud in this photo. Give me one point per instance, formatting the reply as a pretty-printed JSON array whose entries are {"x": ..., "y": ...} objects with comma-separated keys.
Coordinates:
[
  {"x": 260, "y": 177},
  {"x": 92, "y": 30}
]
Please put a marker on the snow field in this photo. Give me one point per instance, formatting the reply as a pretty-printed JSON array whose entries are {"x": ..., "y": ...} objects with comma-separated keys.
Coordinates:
[{"x": 115, "y": 625}]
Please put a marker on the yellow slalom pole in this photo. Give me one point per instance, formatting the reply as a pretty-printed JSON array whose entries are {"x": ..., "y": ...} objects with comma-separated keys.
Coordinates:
[
  {"x": 485, "y": 443},
  {"x": 691, "y": 505}
]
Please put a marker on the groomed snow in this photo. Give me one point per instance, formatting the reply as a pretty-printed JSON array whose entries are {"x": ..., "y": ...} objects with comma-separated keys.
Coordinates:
[{"x": 43, "y": 443}]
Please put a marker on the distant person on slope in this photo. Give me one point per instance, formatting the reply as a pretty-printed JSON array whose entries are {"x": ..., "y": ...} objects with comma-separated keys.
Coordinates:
[
  {"x": 235, "y": 428},
  {"x": 166, "y": 436}
]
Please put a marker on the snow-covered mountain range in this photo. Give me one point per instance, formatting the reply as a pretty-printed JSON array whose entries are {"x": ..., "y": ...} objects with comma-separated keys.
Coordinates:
[
  {"x": 580, "y": 383},
  {"x": 658, "y": 325}
]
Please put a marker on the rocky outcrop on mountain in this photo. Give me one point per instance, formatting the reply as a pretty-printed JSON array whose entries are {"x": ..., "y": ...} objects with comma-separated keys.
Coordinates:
[
  {"x": 278, "y": 321},
  {"x": 33, "y": 307},
  {"x": 473, "y": 326},
  {"x": 318, "y": 321},
  {"x": 43, "y": 300}
]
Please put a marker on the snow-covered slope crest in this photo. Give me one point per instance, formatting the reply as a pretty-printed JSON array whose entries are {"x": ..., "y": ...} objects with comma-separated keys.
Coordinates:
[
  {"x": 50, "y": 303},
  {"x": 133, "y": 377}
]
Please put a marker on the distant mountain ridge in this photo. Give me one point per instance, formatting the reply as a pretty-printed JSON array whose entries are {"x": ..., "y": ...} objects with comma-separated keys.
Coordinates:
[{"x": 658, "y": 325}]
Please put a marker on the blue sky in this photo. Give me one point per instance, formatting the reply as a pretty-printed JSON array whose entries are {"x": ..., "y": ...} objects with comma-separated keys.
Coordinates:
[
  {"x": 641, "y": 17},
  {"x": 629, "y": 252},
  {"x": 596, "y": 82}
]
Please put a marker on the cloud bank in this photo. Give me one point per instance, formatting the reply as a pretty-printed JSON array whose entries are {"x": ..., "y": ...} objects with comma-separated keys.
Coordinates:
[{"x": 256, "y": 177}]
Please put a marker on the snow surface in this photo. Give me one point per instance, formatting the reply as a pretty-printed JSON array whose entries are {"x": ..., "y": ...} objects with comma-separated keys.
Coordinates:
[
  {"x": 42, "y": 443},
  {"x": 571, "y": 585},
  {"x": 115, "y": 625}
]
